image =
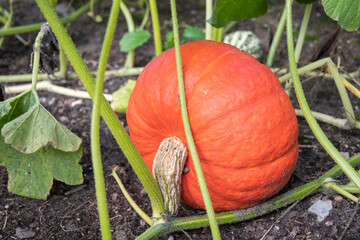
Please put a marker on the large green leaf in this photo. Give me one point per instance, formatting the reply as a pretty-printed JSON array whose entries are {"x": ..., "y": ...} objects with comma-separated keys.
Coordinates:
[
  {"x": 225, "y": 11},
  {"x": 134, "y": 39},
  {"x": 345, "y": 12},
  {"x": 28, "y": 126},
  {"x": 31, "y": 175}
]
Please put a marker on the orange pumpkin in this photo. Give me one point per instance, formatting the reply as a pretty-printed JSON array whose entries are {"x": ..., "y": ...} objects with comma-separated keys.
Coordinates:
[{"x": 243, "y": 123}]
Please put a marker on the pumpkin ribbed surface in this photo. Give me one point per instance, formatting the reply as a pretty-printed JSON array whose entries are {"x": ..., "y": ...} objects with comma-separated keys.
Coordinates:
[{"x": 243, "y": 123}]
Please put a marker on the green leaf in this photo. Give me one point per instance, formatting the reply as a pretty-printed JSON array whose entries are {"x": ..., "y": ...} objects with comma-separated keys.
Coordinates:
[
  {"x": 31, "y": 175},
  {"x": 120, "y": 98},
  {"x": 28, "y": 126},
  {"x": 225, "y": 11},
  {"x": 134, "y": 39},
  {"x": 193, "y": 33},
  {"x": 306, "y": 1},
  {"x": 345, "y": 12}
]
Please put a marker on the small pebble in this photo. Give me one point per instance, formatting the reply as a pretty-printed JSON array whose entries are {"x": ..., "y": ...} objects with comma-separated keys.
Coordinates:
[
  {"x": 142, "y": 222},
  {"x": 321, "y": 209},
  {"x": 24, "y": 233},
  {"x": 328, "y": 223},
  {"x": 114, "y": 196},
  {"x": 76, "y": 102},
  {"x": 42, "y": 100},
  {"x": 52, "y": 101},
  {"x": 171, "y": 238},
  {"x": 143, "y": 193},
  {"x": 338, "y": 198},
  {"x": 34, "y": 224},
  {"x": 63, "y": 119}
]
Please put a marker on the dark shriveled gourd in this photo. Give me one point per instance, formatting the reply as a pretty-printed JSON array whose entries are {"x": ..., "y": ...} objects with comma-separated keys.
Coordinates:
[{"x": 243, "y": 123}]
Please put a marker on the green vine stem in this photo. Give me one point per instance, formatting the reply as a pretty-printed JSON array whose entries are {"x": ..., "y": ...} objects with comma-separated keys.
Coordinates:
[
  {"x": 252, "y": 212},
  {"x": 337, "y": 122},
  {"x": 156, "y": 27},
  {"x": 69, "y": 75},
  {"x": 276, "y": 39},
  {"x": 325, "y": 142},
  {"x": 129, "y": 62},
  {"x": 340, "y": 190},
  {"x": 62, "y": 57},
  {"x": 48, "y": 86},
  {"x": 7, "y": 21},
  {"x": 131, "y": 201},
  {"x": 111, "y": 119},
  {"x": 300, "y": 41},
  {"x": 36, "y": 58},
  {"x": 208, "y": 27},
  {"x": 189, "y": 138},
  {"x": 146, "y": 16},
  {"x": 95, "y": 124},
  {"x": 302, "y": 32},
  {"x": 349, "y": 111},
  {"x": 36, "y": 27}
]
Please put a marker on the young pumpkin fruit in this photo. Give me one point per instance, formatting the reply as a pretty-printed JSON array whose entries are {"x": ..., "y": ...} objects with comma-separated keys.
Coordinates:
[{"x": 243, "y": 123}]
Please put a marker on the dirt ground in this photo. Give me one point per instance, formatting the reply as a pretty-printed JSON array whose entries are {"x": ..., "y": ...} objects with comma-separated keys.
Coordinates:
[{"x": 70, "y": 212}]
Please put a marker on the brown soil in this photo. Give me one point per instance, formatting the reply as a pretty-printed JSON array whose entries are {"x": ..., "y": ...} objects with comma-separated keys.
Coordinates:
[{"x": 70, "y": 212}]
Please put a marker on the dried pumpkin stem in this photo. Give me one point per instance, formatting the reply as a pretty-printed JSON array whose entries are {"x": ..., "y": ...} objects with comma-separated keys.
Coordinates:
[
  {"x": 320, "y": 135},
  {"x": 168, "y": 167},
  {"x": 190, "y": 140}
]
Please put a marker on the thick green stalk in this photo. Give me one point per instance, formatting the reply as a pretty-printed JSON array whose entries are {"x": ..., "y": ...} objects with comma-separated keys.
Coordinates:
[
  {"x": 325, "y": 142},
  {"x": 156, "y": 27},
  {"x": 131, "y": 27},
  {"x": 302, "y": 33},
  {"x": 114, "y": 124},
  {"x": 36, "y": 58},
  {"x": 184, "y": 114},
  {"x": 217, "y": 34},
  {"x": 248, "y": 213},
  {"x": 208, "y": 27},
  {"x": 95, "y": 124},
  {"x": 36, "y": 27}
]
